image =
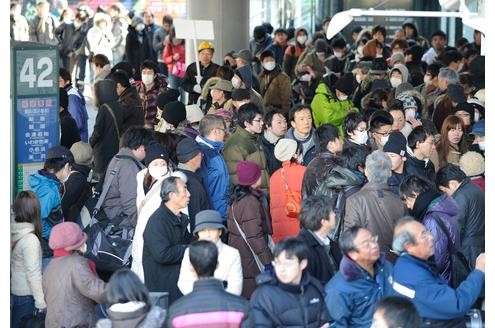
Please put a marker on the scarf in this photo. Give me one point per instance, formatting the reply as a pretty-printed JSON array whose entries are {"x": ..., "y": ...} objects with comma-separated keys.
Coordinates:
[
  {"x": 422, "y": 203},
  {"x": 60, "y": 252}
]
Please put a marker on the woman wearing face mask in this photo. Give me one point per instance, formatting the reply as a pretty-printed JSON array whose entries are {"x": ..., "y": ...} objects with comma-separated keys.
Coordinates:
[
  {"x": 399, "y": 74},
  {"x": 100, "y": 37},
  {"x": 452, "y": 143},
  {"x": 149, "y": 182},
  {"x": 380, "y": 127},
  {"x": 274, "y": 84},
  {"x": 293, "y": 52},
  {"x": 47, "y": 184}
]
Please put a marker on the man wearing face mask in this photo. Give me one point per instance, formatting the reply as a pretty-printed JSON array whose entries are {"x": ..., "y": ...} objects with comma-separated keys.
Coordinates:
[
  {"x": 134, "y": 50},
  {"x": 339, "y": 61},
  {"x": 274, "y": 84},
  {"x": 152, "y": 84},
  {"x": 260, "y": 41}
]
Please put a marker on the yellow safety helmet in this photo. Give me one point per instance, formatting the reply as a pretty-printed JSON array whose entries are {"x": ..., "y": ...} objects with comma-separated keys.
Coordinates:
[{"x": 205, "y": 45}]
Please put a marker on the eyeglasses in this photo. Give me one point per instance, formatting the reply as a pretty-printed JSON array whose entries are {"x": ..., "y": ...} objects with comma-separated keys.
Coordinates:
[
  {"x": 258, "y": 120},
  {"x": 385, "y": 134},
  {"x": 370, "y": 242},
  {"x": 286, "y": 264}
]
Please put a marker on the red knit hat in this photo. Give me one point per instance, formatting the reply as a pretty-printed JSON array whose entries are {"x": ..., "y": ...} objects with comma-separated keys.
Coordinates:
[
  {"x": 68, "y": 236},
  {"x": 247, "y": 173}
]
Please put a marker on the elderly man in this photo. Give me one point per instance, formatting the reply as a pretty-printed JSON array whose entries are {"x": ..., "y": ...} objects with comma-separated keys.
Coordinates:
[
  {"x": 166, "y": 237},
  {"x": 438, "y": 304},
  {"x": 363, "y": 268},
  {"x": 375, "y": 206}
]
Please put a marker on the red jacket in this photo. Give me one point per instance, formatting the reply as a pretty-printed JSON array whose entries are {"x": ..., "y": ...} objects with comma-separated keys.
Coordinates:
[
  {"x": 282, "y": 225},
  {"x": 168, "y": 54}
]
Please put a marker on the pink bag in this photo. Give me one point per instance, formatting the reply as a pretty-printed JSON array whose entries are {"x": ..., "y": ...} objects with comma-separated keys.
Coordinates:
[{"x": 179, "y": 69}]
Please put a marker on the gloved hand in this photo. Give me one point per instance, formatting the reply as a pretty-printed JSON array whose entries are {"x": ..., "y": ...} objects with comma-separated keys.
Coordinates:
[{"x": 197, "y": 88}]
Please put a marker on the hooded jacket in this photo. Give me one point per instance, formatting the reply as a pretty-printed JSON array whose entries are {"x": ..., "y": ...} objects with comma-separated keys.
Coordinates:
[
  {"x": 404, "y": 72},
  {"x": 106, "y": 131},
  {"x": 275, "y": 304},
  {"x": 25, "y": 263},
  {"x": 46, "y": 186}
]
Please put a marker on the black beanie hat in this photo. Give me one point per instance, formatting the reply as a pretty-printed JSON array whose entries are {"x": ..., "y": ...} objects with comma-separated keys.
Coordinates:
[
  {"x": 396, "y": 144},
  {"x": 467, "y": 107},
  {"x": 345, "y": 84},
  {"x": 174, "y": 112},
  {"x": 155, "y": 150},
  {"x": 166, "y": 97}
]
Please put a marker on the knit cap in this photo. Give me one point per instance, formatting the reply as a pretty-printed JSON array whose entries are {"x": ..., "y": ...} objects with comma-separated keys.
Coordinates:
[
  {"x": 154, "y": 151},
  {"x": 247, "y": 173},
  {"x": 285, "y": 149},
  {"x": 174, "y": 113},
  {"x": 67, "y": 236},
  {"x": 396, "y": 144},
  {"x": 186, "y": 149},
  {"x": 472, "y": 163}
]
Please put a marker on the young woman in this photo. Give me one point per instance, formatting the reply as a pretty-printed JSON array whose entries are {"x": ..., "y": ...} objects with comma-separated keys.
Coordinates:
[
  {"x": 174, "y": 55},
  {"x": 25, "y": 260},
  {"x": 452, "y": 143},
  {"x": 247, "y": 211}
]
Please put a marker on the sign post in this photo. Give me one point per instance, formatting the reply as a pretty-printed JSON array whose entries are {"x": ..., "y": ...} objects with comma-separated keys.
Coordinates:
[{"x": 34, "y": 108}]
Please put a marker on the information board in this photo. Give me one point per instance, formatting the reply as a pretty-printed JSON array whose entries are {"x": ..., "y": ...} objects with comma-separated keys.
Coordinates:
[{"x": 35, "y": 107}]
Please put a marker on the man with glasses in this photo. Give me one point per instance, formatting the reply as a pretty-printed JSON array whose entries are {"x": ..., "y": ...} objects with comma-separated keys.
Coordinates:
[
  {"x": 438, "y": 304},
  {"x": 213, "y": 170},
  {"x": 245, "y": 143},
  {"x": 289, "y": 296},
  {"x": 363, "y": 279},
  {"x": 380, "y": 127}
]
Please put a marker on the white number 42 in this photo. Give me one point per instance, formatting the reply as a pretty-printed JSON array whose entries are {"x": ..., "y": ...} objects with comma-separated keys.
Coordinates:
[{"x": 27, "y": 74}]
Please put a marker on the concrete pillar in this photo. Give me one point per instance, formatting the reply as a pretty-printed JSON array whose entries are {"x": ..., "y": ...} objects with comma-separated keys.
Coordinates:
[{"x": 230, "y": 24}]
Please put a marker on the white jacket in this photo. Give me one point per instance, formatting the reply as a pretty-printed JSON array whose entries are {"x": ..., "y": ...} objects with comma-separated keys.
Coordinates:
[
  {"x": 25, "y": 263},
  {"x": 101, "y": 41},
  {"x": 229, "y": 269}
]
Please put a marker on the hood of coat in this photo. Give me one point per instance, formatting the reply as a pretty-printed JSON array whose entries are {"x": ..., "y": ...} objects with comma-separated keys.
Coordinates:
[
  {"x": 20, "y": 229},
  {"x": 38, "y": 180},
  {"x": 403, "y": 71},
  {"x": 246, "y": 75},
  {"x": 105, "y": 91},
  {"x": 351, "y": 271}
]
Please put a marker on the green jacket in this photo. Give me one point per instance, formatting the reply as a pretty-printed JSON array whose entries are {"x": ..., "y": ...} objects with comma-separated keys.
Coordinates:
[
  {"x": 244, "y": 146},
  {"x": 327, "y": 108}
]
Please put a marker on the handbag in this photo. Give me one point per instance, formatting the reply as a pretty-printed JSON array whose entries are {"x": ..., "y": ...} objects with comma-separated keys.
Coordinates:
[
  {"x": 293, "y": 199},
  {"x": 259, "y": 264},
  {"x": 179, "y": 69},
  {"x": 459, "y": 265}
]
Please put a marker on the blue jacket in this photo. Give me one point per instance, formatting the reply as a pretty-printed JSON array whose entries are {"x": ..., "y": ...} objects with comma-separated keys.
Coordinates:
[
  {"x": 352, "y": 293},
  {"x": 433, "y": 297},
  {"x": 46, "y": 187},
  {"x": 215, "y": 174},
  {"x": 77, "y": 109}
]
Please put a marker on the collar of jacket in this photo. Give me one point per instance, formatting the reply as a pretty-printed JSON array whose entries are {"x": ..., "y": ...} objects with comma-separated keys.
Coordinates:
[
  {"x": 428, "y": 264},
  {"x": 217, "y": 145},
  {"x": 462, "y": 185},
  {"x": 243, "y": 133},
  {"x": 182, "y": 219},
  {"x": 208, "y": 283},
  {"x": 48, "y": 175},
  {"x": 309, "y": 237},
  {"x": 351, "y": 271},
  {"x": 270, "y": 137},
  {"x": 375, "y": 186},
  {"x": 292, "y": 135}
]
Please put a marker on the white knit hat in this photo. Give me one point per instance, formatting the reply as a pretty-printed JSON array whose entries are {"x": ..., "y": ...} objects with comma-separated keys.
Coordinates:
[
  {"x": 285, "y": 149},
  {"x": 472, "y": 163}
]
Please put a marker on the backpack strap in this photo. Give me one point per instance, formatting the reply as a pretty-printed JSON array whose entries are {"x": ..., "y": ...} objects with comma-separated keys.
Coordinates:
[
  {"x": 113, "y": 118},
  {"x": 138, "y": 165}
]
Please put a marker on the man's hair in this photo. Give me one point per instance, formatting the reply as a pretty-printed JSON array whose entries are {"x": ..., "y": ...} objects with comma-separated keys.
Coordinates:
[
  {"x": 148, "y": 64},
  {"x": 447, "y": 173},
  {"x": 167, "y": 19},
  {"x": 398, "y": 311},
  {"x": 203, "y": 256},
  {"x": 414, "y": 184},
  {"x": 292, "y": 247},
  {"x": 346, "y": 240},
  {"x": 433, "y": 69},
  {"x": 298, "y": 108},
  {"x": 439, "y": 33},
  {"x": 120, "y": 76},
  {"x": 209, "y": 122},
  {"x": 451, "y": 56},
  {"x": 378, "y": 166},
  {"x": 448, "y": 75},
  {"x": 402, "y": 235},
  {"x": 324, "y": 134},
  {"x": 315, "y": 208},
  {"x": 247, "y": 113},
  {"x": 64, "y": 74},
  {"x": 169, "y": 185},
  {"x": 402, "y": 43},
  {"x": 268, "y": 118},
  {"x": 379, "y": 119},
  {"x": 395, "y": 104},
  {"x": 125, "y": 286},
  {"x": 136, "y": 136},
  {"x": 125, "y": 66},
  {"x": 354, "y": 156},
  {"x": 379, "y": 28},
  {"x": 100, "y": 60},
  {"x": 351, "y": 122},
  {"x": 338, "y": 43},
  {"x": 418, "y": 134},
  {"x": 55, "y": 164}
]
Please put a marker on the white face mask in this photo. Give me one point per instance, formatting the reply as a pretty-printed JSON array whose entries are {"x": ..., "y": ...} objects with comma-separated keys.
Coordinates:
[
  {"x": 269, "y": 66},
  {"x": 236, "y": 82},
  {"x": 343, "y": 97},
  {"x": 157, "y": 171},
  {"x": 395, "y": 81},
  {"x": 338, "y": 54},
  {"x": 427, "y": 80},
  {"x": 147, "y": 79},
  {"x": 102, "y": 26},
  {"x": 302, "y": 39},
  {"x": 383, "y": 140},
  {"x": 358, "y": 78},
  {"x": 139, "y": 27},
  {"x": 410, "y": 113},
  {"x": 362, "y": 137},
  {"x": 476, "y": 116},
  {"x": 481, "y": 144}
]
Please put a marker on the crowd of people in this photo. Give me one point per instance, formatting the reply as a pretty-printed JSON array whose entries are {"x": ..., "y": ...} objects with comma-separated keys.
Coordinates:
[{"x": 308, "y": 182}]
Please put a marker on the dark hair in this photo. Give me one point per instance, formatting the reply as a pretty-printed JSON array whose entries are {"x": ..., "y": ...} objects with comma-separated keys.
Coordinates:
[
  {"x": 298, "y": 108},
  {"x": 120, "y": 76},
  {"x": 267, "y": 53},
  {"x": 64, "y": 74},
  {"x": 225, "y": 72},
  {"x": 136, "y": 136},
  {"x": 292, "y": 247},
  {"x": 125, "y": 286},
  {"x": 354, "y": 156},
  {"x": 399, "y": 312},
  {"x": 402, "y": 43},
  {"x": 247, "y": 113},
  {"x": 167, "y": 19},
  {"x": 55, "y": 164},
  {"x": 338, "y": 43},
  {"x": 439, "y": 33},
  {"x": 414, "y": 185},
  {"x": 416, "y": 51},
  {"x": 170, "y": 141},
  {"x": 168, "y": 185},
  {"x": 451, "y": 56},
  {"x": 148, "y": 64},
  {"x": 376, "y": 98},
  {"x": 203, "y": 256},
  {"x": 346, "y": 239},
  {"x": 379, "y": 119},
  {"x": 125, "y": 66},
  {"x": 395, "y": 104},
  {"x": 268, "y": 27},
  {"x": 418, "y": 134},
  {"x": 314, "y": 208},
  {"x": 324, "y": 134},
  {"x": 379, "y": 28},
  {"x": 447, "y": 173},
  {"x": 351, "y": 122},
  {"x": 443, "y": 146},
  {"x": 434, "y": 69},
  {"x": 280, "y": 30},
  {"x": 27, "y": 208},
  {"x": 268, "y": 118},
  {"x": 100, "y": 60}
]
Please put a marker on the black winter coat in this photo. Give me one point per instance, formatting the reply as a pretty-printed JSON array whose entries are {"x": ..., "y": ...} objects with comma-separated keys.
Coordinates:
[
  {"x": 321, "y": 264},
  {"x": 134, "y": 50},
  {"x": 317, "y": 171},
  {"x": 132, "y": 108},
  {"x": 69, "y": 133},
  {"x": 272, "y": 162},
  {"x": 275, "y": 304},
  {"x": 77, "y": 192},
  {"x": 190, "y": 79},
  {"x": 199, "y": 200},
  {"x": 165, "y": 240},
  {"x": 417, "y": 167}
]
